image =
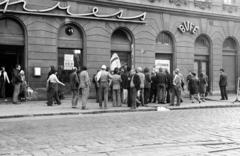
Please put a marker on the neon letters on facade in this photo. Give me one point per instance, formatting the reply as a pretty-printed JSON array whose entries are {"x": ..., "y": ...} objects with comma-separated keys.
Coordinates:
[
  {"x": 94, "y": 13},
  {"x": 188, "y": 27}
]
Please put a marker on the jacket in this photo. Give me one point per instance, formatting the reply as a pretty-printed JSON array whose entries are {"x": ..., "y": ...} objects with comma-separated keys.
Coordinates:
[
  {"x": 136, "y": 81},
  {"x": 74, "y": 81},
  {"x": 16, "y": 78},
  {"x": 223, "y": 80}
]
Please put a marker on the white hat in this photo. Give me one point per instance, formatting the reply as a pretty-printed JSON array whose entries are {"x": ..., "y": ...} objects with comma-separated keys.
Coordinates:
[{"x": 104, "y": 67}]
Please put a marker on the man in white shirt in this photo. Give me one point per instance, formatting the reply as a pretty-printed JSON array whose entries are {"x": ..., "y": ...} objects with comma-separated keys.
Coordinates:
[
  {"x": 176, "y": 90},
  {"x": 52, "y": 89}
]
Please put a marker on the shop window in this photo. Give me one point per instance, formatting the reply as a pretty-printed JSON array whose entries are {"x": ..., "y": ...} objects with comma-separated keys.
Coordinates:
[
  {"x": 67, "y": 59},
  {"x": 121, "y": 42}
]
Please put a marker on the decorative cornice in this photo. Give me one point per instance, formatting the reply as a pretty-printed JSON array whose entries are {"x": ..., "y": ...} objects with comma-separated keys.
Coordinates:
[
  {"x": 179, "y": 2},
  {"x": 230, "y": 8},
  {"x": 203, "y": 4},
  {"x": 67, "y": 9}
]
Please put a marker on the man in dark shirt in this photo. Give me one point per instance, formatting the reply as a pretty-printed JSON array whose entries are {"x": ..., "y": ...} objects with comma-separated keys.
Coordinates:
[
  {"x": 223, "y": 85},
  {"x": 74, "y": 83},
  {"x": 161, "y": 86}
]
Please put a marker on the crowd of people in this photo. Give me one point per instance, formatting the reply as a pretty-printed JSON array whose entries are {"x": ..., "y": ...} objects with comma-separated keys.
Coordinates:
[
  {"x": 133, "y": 87},
  {"x": 18, "y": 83}
]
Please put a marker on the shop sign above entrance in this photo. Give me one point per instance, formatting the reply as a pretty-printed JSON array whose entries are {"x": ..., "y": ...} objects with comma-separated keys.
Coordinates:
[
  {"x": 93, "y": 14},
  {"x": 188, "y": 27}
]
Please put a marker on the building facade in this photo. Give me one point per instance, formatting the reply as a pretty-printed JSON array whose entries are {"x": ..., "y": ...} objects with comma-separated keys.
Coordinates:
[{"x": 192, "y": 35}]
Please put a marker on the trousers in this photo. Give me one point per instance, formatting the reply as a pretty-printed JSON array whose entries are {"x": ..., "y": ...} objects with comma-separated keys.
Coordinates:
[{"x": 16, "y": 92}]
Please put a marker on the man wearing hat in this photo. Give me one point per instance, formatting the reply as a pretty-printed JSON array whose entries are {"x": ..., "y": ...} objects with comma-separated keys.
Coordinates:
[
  {"x": 223, "y": 85},
  {"x": 103, "y": 78}
]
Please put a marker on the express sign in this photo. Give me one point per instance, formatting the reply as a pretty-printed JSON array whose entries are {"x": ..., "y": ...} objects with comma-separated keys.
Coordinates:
[{"x": 188, "y": 27}]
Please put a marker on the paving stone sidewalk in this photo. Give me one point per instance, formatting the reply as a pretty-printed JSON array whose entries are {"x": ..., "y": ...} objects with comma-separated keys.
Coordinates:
[{"x": 39, "y": 108}]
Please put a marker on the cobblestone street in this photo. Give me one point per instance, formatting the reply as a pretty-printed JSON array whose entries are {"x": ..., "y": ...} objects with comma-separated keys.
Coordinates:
[{"x": 208, "y": 132}]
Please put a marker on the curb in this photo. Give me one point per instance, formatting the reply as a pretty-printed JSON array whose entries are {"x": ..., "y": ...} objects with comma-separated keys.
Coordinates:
[
  {"x": 153, "y": 108},
  {"x": 204, "y": 107},
  {"x": 78, "y": 113}
]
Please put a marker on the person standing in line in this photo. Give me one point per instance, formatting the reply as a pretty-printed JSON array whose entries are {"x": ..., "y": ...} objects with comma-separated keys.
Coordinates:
[
  {"x": 203, "y": 86},
  {"x": 223, "y": 85},
  {"x": 176, "y": 90},
  {"x": 153, "y": 92},
  {"x": 194, "y": 88},
  {"x": 60, "y": 76},
  {"x": 74, "y": 83},
  {"x": 161, "y": 86},
  {"x": 94, "y": 81},
  {"x": 3, "y": 80},
  {"x": 125, "y": 85},
  {"x": 147, "y": 85},
  {"x": 103, "y": 78},
  {"x": 52, "y": 88},
  {"x": 16, "y": 81},
  {"x": 23, "y": 86},
  {"x": 116, "y": 86},
  {"x": 135, "y": 83},
  {"x": 84, "y": 85},
  {"x": 189, "y": 78},
  {"x": 169, "y": 80},
  {"x": 142, "y": 80}
]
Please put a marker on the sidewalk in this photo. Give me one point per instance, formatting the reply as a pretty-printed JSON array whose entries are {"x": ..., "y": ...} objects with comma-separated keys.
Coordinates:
[{"x": 39, "y": 108}]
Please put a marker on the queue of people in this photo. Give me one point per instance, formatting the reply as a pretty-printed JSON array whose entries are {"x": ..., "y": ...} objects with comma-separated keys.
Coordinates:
[{"x": 134, "y": 87}]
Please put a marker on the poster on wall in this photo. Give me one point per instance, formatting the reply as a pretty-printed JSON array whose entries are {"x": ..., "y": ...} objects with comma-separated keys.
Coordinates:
[
  {"x": 68, "y": 61},
  {"x": 164, "y": 64}
]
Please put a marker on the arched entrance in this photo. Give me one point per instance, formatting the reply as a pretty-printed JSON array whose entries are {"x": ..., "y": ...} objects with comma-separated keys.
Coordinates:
[
  {"x": 121, "y": 42},
  {"x": 70, "y": 50},
  {"x": 202, "y": 57},
  {"x": 12, "y": 43},
  {"x": 164, "y": 51},
  {"x": 230, "y": 62}
]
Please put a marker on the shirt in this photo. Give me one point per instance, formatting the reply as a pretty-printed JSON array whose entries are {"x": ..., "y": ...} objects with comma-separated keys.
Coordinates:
[
  {"x": 177, "y": 80},
  {"x": 84, "y": 79},
  {"x": 53, "y": 78},
  {"x": 142, "y": 79},
  {"x": 104, "y": 76},
  {"x": 116, "y": 81}
]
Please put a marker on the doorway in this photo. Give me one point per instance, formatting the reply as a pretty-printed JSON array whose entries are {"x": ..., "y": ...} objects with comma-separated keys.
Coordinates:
[{"x": 10, "y": 56}]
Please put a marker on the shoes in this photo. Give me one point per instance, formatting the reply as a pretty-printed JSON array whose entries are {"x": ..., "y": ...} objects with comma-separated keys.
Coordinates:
[
  {"x": 74, "y": 107},
  {"x": 16, "y": 103},
  {"x": 171, "y": 105},
  {"x": 5, "y": 100},
  {"x": 84, "y": 108},
  {"x": 221, "y": 99}
]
